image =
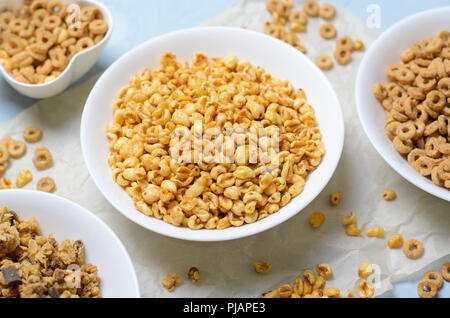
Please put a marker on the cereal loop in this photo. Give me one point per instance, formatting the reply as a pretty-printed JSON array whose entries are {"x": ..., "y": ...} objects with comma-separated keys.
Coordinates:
[
  {"x": 324, "y": 62},
  {"x": 413, "y": 249},
  {"x": 345, "y": 43},
  {"x": 342, "y": 55},
  {"x": 327, "y": 12},
  {"x": 327, "y": 31},
  {"x": 46, "y": 185},
  {"x": 42, "y": 158},
  {"x": 271, "y": 5},
  {"x": 299, "y": 17},
  {"x": 445, "y": 271},
  {"x": 32, "y": 134},
  {"x": 434, "y": 276},
  {"x": 427, "y": 289},
  {"x": 84, "y": 43},
  {"x": 98, "y": 27},
  {"x": 311, "y": 8},
  {"x": 52, "y": 22},
  {"x": 16, "y": 149},
  {"x": 4, "y": 154}
]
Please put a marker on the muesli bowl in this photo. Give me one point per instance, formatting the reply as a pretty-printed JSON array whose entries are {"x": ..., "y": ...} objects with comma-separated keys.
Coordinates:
[
  {"x": 277, "y": 58},
  {"x": 66, "y": 219},
  {"x": 383, "y": 52},
  {"x": 79, "y": 65}
]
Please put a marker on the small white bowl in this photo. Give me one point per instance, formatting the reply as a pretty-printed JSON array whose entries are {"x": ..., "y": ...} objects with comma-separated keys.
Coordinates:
[
  {"x": 78, "y": 65},
  {"x": 276, "y": 57},
  {"x": 383, "y": 52},
  {"x": 66, "y": 219}
]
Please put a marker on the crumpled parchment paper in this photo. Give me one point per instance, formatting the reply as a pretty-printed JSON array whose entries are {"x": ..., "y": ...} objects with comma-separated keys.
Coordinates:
[{"x": 226, "y": 268}]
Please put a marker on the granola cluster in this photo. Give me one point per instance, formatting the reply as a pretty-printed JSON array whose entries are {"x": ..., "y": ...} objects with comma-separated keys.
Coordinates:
[{"x": 36, "y": 266}]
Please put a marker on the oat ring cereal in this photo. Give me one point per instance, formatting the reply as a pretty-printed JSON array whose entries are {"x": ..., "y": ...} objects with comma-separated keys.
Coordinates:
[
  {"x": 52, "y": 22},
  {"x": 327, "y": 12},
  {"x": 4, "y": 154},
  {"x": 38, "y": 5},
  {"x": 90, "y": 13},
  {"x": 213, "y": 192},
  {"x": 299, "y": 17},
  {"x": 84, "y": 43},
  {"x": 345, "y": 42},
  {"x": 273, "y": 30},
  {"x": 311, "y": 8},
  {"x": 327, "y": 31},
  {"x": 445, "y": 271},
  {"x": 42, "y": 32},
  {"x": 46, "y": 185},
  {"x": 58, "y": 58},
  {"x": 16, "y": 149},
  {"x": 42, "y": 158},
  {"x": 5, "y": 19},
  {"x": 45, "y": 38},
  {"x": 324, "y": 62},
  {"x": 32, "y": 134},
  {"x": 427, "y": 288},
  {"x": 342, "y": 55},
  {"x": 434, "y": 276},
  {"x": 271, "y": 5},
  {"x": 17, "y": 25},
  {"x": 413, "y": 249},
  {"x": 56, "y": 7},
  {"x": 13, "y": 44},
  {"x": 2, "y": 169},
  {"x": 98, "y": 27}
]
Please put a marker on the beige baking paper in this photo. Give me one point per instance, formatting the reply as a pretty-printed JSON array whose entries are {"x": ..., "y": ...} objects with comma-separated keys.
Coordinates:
[{"x": 226, "y": 268}]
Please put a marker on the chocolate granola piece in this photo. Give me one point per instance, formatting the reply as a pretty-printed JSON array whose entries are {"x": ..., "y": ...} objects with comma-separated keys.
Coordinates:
[
  {"x": 53, "y": 292},
  {"x": 11, "y": 276},
  {"x": 55, "y": 262},
  {"x": 14, "y": 216}
]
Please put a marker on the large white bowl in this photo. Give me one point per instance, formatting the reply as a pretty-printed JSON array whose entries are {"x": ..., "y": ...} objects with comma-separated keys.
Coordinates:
[
  {"x": 385, "y": 51},
  {"x": 66, "y": 219},
  {"x": 278, "y": 58},
  {"x": 78, "y": 65}
]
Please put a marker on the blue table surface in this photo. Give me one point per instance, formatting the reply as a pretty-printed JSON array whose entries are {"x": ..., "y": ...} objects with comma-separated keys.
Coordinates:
[{"x": 139, "y": 20}]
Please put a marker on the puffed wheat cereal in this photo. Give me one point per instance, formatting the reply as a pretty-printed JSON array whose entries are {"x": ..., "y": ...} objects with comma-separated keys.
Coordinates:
[
  {"x": 335, "y": 198},
  {"x": 23, "y": 178},
  {"x": 150, "y": 148},
  {"x": 316, "y": 219},
  {"x": 365, "y": 270},
  {"x": 170, "y": 282},
  {"x": 395, "y": 241},
  {"x": 353, "y": 230},
  {"x": 194, "y": 275},
  {"x": 389, "y": 195},
  {"x": 261, "y": 267},
  {"x": 365, "y": 289},
  {"x": 375, "y": 231}
]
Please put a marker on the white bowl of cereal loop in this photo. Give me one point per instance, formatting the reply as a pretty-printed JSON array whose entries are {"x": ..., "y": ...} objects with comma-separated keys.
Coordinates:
[
  {"x": 46, "y": 45},
  {"x": 402, "y": 95},
  {"x": 76, "y": 253},
  {"x": 212, "y": 199}
]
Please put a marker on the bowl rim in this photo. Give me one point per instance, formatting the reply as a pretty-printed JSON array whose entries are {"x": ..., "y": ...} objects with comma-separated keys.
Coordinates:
[
  {"x": 83, "y": 213},
  {"x": 415, "y": 179},
  {"x": 105, "y": 11},
  {"x": 218, "y": 235}
]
